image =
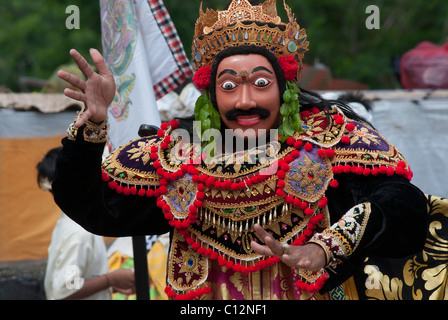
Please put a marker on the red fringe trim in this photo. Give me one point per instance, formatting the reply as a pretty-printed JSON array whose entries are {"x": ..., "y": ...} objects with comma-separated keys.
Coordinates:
[{"x": 279, "y": 167}]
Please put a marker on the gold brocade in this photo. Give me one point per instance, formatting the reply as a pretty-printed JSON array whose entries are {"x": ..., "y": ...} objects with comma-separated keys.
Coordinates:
[
  {"x": 423, "y": 276},
  {"x": 273, "y": 283},
  {"x": 226, "y": 216}
]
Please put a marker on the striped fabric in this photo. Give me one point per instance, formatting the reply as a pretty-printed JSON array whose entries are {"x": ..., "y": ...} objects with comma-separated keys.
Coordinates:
[{"x": 184, "y": 71}]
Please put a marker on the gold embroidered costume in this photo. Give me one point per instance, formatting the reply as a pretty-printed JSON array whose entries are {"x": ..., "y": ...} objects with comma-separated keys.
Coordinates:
[
  {"x": 220, "y": 236},
  {"x": 329, "y": 180}
]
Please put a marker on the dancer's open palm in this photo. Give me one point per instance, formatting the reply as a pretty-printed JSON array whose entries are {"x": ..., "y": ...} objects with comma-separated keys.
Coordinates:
[{"x": 97, "y": 91}]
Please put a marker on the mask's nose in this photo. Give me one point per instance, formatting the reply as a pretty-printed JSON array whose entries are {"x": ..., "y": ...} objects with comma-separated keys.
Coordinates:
[{"x": 245, "y": 101}]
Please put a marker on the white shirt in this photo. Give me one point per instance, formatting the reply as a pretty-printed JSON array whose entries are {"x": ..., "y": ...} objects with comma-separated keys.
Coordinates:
[{"x": 74, "y": 255}]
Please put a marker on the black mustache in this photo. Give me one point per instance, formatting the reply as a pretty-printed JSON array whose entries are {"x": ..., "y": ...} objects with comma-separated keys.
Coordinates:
[{"x": 232, "y": 114}]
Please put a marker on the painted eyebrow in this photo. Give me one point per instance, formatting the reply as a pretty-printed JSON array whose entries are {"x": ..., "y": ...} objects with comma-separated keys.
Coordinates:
[
  {"x": 235, "y": 74},
  {"x": 228, "y": 71},
  {"x": 260, "y": 68}
]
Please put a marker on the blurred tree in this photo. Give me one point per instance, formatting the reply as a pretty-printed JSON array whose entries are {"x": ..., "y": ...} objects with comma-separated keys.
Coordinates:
[
  {"x": 34, "y": 40},
  {"x": 340, "y": 39},
  {"x": 338, "y": 34}
]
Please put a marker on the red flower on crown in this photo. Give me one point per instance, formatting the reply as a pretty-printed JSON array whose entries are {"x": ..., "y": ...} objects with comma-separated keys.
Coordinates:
[
  {"x": 289, "y": 66},
  {"x": 201, "y": 78}
]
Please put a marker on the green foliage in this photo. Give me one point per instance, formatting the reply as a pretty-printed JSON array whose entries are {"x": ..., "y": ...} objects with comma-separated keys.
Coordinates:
[
  {"x": 206, "y": 115},
  {"x": 34, "y": 40},
  {"x": 339, "y": 38},
  {"x": 290, "y": 112},
  {"x": 338, "y": 35}
]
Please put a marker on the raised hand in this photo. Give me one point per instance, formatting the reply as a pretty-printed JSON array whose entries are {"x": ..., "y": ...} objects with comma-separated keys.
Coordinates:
[
  {"x": 310, "y": 256},
  {"x": 97, "y": 92}
]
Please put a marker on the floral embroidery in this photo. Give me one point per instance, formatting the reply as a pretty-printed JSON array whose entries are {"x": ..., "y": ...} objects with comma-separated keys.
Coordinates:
[
  {"x": 363, "y": 135},
  {"x": 142, "y": 151},
  {"x": 343, "y": 237},
  {"x": 309, "y": 176}
]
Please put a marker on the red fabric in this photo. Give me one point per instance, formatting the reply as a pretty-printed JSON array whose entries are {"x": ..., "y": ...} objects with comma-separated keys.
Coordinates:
[{"x": 425, "y": 67}]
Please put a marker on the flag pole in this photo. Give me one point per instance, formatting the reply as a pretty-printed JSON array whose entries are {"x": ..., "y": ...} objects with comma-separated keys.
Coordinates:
[{"x": 140, "y": 268}]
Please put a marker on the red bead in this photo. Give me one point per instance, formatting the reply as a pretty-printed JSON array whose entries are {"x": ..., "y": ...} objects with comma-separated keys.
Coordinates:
[
  {"x": 338, "y": 119},
  {"x": 390, "y": 171},
  {"x": 167, "y": 139},
  {"x": 281, "y": 183},
  {"x": 330, "y": 153},
  {"x": 280, "y": 192},
  {"x": 200, "y": 195},
  {"x": 347, "y": 168},
  {"x": 163, "y": 190},
  {"x": 226, "y": 184},
  {"x": 295, "y": 154},
  {"x": 308, "y": 146},
  {"x": 198, "y": 203},
  {"x": 345, "y": 140},
  {"x": 289, "y": 158},
  {"x": 308, "y": 211},
  {"x": 350, "y": 126},
  {"x": 174, "y": 123},
  {"x": 290, "y": 141},
  {"x": 105, "y": 177},
  {"x": 281, "y": 174},
  {"x": 113, "y": 185},
  {"x": 315, "y": 110},
  {"x": 297, "y": 202},
  {"x": 214, "y": 255},
  {"x": 303, "y": 205},
  {"x": 298, "y": 144},
  {"x": 305, "y": 114},
  {"x": 401, "y": 163},
  {"x": 234, "y": 186},
  {"x": 192, "y": 209},
  {"x": 321, "y": 153}
]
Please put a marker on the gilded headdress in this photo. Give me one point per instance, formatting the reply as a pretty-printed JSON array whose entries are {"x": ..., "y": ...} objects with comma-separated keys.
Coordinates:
[{"x": 246, "y": 24}]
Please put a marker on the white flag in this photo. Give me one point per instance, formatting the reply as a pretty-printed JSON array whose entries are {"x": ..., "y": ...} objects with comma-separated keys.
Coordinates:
[{"x": 142, "y": 49}]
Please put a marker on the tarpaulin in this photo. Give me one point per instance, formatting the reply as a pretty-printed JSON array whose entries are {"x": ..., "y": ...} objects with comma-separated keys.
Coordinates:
[{"x": 27, "y": 214}]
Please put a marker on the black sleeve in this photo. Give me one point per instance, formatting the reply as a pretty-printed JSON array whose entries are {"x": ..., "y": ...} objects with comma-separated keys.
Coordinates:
[
  {"x": 396, "y": 227},
  {"x": 397, "y": 224},
  {"x": 81, "y": 194}
]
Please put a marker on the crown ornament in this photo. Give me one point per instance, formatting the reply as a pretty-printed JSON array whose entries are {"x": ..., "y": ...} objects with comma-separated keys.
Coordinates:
[{"x": 245, "y": 24}]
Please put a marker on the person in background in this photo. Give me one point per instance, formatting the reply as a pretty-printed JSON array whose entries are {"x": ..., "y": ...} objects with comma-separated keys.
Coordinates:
[{"x": 77, "y": 266}]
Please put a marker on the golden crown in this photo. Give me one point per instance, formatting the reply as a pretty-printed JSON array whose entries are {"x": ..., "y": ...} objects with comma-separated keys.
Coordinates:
[{"x": 219, "y": 30}]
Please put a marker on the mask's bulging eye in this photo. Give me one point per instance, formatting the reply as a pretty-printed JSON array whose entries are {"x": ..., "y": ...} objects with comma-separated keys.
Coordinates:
[
  {"x": 261, "y": 82},
  {"x": 228, "y": 85}
]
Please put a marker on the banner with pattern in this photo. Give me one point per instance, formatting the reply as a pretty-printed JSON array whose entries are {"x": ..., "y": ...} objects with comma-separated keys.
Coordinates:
[{"x": 143, "y": 50}]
